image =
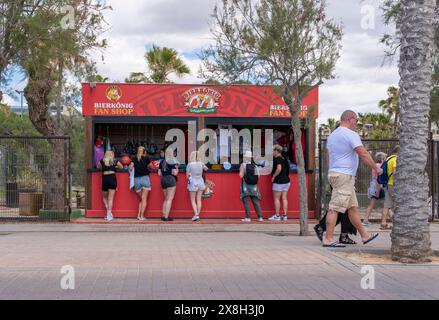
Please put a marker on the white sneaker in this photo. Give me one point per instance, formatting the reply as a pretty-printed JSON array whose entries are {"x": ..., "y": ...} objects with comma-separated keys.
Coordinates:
[
  {"x": 284, "y": 218},
  {"x": 246, "y": 220},
  {"x": 195, "y": 218},
  {"x": 261, "y": 219},
  {"x": 365, "y": 223},
  {"x": 275, "y": 218},
  {"x": 109, "y": 216}
]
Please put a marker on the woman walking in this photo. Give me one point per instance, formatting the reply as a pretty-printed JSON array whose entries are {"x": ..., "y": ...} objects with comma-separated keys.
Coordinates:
[
  {"x": 249, "y": 191},
  {"x": 375, "y": 191},
  {"x": 196, "y": 186},
  {"x": 168, "y": 170},
  {"x": 142, "y": 184},
  {"x": 109, "y": 181}
]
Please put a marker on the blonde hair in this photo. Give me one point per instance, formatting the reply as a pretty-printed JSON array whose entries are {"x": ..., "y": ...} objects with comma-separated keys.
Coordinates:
[
  {"x": 380, "y": 157},
  {"x": 278, "y": 148},
  {"x": 108, "y": 158},
  {"x": 169, "y": 153},
  {"x": 140, "y": 152}
]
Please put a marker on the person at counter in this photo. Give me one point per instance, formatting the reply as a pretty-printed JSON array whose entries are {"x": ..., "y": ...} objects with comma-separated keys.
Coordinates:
[
  {"x": 141, "y": 165},
  {"x": 168, "y": 170},
  {"x": 109, "y": 182},
  {"x": 196, "y": 186},
  {"x": 281, "y": 183},
  {"x": 249, "y": 191}
]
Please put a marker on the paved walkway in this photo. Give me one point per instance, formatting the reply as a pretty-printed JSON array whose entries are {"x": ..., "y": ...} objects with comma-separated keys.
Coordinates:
[{"x": 268, "y": 261}]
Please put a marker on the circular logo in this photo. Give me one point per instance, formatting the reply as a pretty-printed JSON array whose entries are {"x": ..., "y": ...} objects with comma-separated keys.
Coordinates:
[{"x": 113, "y": 93}]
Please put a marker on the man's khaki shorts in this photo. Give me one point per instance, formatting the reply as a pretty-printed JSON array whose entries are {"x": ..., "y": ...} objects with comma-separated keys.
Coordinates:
[
  {"x": 390, "y": 194},
  {"x": 343, "y": 192}
]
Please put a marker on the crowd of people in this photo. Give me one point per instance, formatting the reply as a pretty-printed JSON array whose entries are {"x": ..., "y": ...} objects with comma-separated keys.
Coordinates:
[
  {"x": 168, "y": 169},
  {"x": 344, "y": 151}
]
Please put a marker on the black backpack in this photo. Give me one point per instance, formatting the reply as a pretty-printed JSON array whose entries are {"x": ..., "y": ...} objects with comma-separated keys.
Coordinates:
[{"x": 250, "y": 176}]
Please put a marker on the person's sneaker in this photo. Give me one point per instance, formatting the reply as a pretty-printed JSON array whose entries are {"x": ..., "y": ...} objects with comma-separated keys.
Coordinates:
[
  {"x": 109, "y": 218},
  {"x": 319, "y": 232},
  {"x": 365, "y": 223},
  {"x": 284, "y": 218},
  {"x": 274, "y": 218},
  {"x": 195, "y": 218},
  {"x": 261, "y": 219},
  {"x": 246, "y": 220}
]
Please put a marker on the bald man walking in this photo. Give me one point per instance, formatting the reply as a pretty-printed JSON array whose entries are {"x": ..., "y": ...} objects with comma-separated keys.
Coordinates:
[{"x": 344, "y": 150}]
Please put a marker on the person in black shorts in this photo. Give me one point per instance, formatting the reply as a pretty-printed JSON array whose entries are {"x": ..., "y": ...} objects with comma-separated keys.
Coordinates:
[
  {"x": 168, "y": 170},
  {"x": 109, "y": 181},
  {"x": 281, "y": 184}
]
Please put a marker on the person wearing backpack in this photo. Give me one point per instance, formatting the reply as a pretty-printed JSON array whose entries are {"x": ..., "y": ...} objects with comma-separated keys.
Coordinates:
[
  {"x": 387, "y": 179},
  {"x": 281, "y": 183},
  {"x": 249, "y": 191}
]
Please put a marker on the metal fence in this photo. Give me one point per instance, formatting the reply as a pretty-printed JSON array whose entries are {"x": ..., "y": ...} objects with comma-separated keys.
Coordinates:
[
  {"x": 35, "y": 179},
  {"x": 364, "y": 175}
]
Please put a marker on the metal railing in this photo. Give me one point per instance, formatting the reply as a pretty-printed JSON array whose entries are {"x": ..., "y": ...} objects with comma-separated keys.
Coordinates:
[{"x": 35, "y": 178}]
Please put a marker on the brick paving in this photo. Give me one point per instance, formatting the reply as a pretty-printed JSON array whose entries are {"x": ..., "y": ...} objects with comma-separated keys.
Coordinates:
[{"x": 268, "y": 261}]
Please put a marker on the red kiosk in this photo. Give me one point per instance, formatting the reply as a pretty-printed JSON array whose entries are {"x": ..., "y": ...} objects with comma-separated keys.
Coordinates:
[{"x": 127, "y": 115}]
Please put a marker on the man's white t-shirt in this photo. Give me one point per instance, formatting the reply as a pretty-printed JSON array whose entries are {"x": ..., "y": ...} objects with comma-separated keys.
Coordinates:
[{"x": 342, "y": 156}]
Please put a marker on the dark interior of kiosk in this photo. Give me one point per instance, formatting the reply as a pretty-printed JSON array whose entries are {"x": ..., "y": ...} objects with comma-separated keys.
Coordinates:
[{"x": 125, "y": 138}]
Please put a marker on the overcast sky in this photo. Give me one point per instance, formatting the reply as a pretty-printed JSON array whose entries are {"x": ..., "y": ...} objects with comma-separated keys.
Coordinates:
[{"x": 361, "y": 78}]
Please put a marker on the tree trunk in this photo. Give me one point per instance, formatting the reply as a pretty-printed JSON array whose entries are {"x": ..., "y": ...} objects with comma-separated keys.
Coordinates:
[
  {"x": 410, "y": 235},
  {"x": 36, "y": 93},
  {"x": 3, "y": 64},
  {"x": 301, "y": 175}
]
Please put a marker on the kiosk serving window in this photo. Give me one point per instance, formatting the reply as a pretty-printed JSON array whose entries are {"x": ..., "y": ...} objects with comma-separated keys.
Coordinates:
[
  {"x": 125, "y": 137},
  {"x": 282, "y": 135}
]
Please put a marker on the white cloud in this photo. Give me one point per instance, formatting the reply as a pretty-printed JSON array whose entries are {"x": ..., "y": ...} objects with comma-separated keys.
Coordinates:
[
  {"x": 8, "y": 100},
  {"x": 136, "y": 25},
  {"x": 361, "y": 79}
]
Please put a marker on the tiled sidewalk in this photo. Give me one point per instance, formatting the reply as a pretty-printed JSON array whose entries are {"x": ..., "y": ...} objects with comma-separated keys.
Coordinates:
[{"x": 183, "y": 264}]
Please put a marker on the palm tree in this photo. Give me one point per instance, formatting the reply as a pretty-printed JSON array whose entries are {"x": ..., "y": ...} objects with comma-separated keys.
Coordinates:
[
  {"x": 391, "y": 106},
  {"x": 375, "y": 125},
  {"x": 329, "y": 126},
  {"x": 137, "y": 77},
  {"x": 98, "y": 78},
  {"x": 410, "y": 234},
  {"x": 162, "y": 62}
]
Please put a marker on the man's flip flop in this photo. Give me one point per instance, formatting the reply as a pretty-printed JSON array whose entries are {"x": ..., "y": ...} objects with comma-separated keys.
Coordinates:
[
  {"x": 372, "y": 237},
  {"x": 334, "y": 245}
]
